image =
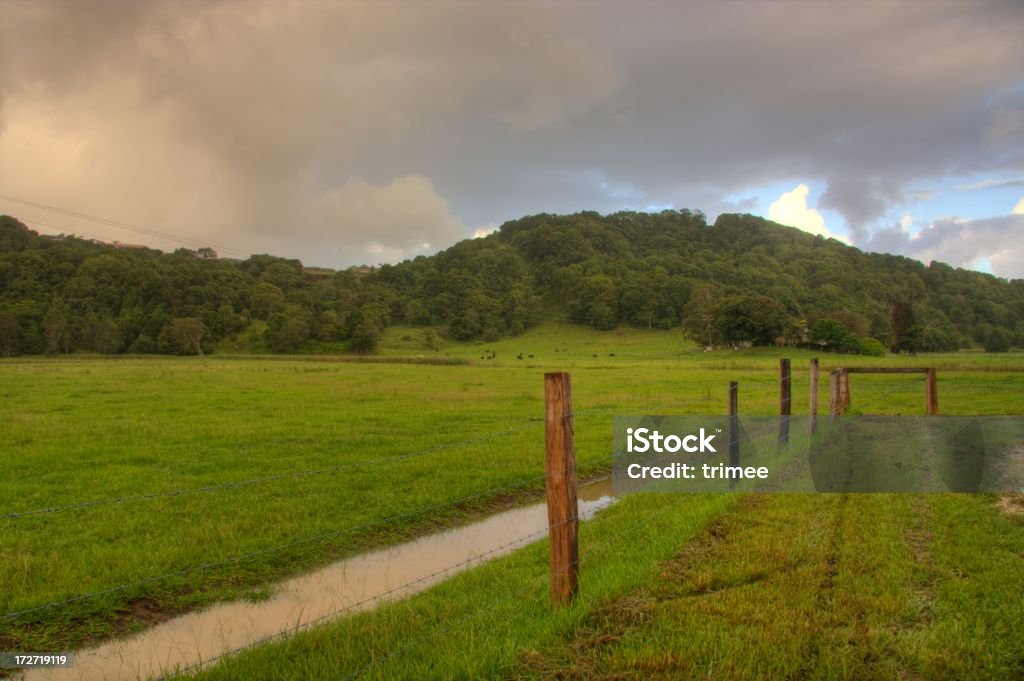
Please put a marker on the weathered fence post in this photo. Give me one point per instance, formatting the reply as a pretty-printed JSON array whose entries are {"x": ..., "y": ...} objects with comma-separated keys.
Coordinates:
[
  {"x": 833, "y": 394},
  {"x": 844, "y": 391},
  {"x": 734, "y": 428},
  {"x": 931, "y": 392},
  {"x": 785, "y": 400},
  {"x": 560, "y": 466},
  {"x": 812, "y": 408}
]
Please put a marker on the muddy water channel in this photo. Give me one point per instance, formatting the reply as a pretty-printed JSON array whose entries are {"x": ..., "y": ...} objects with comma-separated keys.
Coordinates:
[{"x": 352, "y": 585}]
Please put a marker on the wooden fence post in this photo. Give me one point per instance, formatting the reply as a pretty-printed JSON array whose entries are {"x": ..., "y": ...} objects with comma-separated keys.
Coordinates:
[
  {"x": 785, "y": 400},
  {"x": 734, "y": 428},
  {"x": 844, "y": 391},
  {"x": 833, "y": 394},
  {"x": 813, "y": 406},
  {"x": 931, "y": 393},
  {"x": 560, "y": 466}
]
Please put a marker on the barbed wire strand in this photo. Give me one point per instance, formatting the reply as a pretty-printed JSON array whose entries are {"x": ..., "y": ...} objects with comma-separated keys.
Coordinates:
[
  {"x": 279, "y": 547},
  {"x": 476, "y": 558},
  {"x": 533, "y": 423},
  {"x": 491, "y": 607}
]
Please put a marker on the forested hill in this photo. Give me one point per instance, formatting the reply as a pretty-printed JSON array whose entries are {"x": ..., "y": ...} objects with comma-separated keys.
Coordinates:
[{"x": 743, "y": 279}]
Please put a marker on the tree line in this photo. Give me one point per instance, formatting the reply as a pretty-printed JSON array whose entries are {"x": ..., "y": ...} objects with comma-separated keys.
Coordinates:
[{"x": 742, "y": 280}]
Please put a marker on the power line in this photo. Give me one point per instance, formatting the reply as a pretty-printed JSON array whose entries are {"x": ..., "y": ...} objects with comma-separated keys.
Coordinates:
[
  {"x": 120, "y": 225},
  {"x": 64, "y": 232}
]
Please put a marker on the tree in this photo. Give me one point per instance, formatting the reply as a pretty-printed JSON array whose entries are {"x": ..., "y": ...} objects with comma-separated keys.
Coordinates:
[
  {"x": 365, "y": 337},
  {"x": 286, "y": 334},
  {"x": 105, "y": 337},
  {"x": 829, "y": 332},
  {"x": 937, "y": 339},
  {"x": 465, "y": 325},
  {"x": 182, "y": 336},
  {"x": 143, "y": 345},
  {"x": 230, "y": 321},
  {"x": 998, "y": 340},
  {"x": 755, "y": 319},
  {"x": 648, "y": 270},
  {"x": 907, "y": 334},
  {"x": 700, "y": 313},
  {"x": 870, "y": 346},
  {"x": 265, "y": 300},
  {"x": 9, "y": 332},
  {"x": 330, "y": 326},
  {"x": 913, "y": 339},
  {"x": 57, "y": 329}
]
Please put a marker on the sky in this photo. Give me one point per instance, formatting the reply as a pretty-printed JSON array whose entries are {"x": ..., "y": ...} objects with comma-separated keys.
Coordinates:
[{"x": 345, "y": 133}]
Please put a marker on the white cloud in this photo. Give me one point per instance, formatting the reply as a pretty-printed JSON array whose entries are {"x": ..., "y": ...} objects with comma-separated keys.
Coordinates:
[
  {"x": 791, "y": 209},
  {"x": 1018, "y": 209},
  {"x": 995, "y": 244},
  {"x": 489, "y": 228},
  {"x": 918, "y": 195},
  {"x": 989, "y": 183}
]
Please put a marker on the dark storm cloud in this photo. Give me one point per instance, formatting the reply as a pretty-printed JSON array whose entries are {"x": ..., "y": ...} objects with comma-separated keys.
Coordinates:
[{"x": 344, "y": 132}]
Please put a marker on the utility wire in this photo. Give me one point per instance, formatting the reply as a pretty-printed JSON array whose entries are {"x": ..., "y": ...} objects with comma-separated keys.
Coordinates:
[
  {"x": 120, "y": 225},
  {"x": 76, "y": 233}
]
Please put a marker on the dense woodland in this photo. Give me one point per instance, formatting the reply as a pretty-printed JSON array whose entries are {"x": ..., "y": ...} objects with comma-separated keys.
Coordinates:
[{"x": 743, "y": 280}]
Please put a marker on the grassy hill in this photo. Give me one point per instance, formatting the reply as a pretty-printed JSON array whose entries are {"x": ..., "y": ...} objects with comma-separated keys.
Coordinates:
[{"x": 742, "y": 280}]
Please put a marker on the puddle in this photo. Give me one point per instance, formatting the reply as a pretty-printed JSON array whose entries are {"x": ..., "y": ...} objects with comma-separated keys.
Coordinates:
[{"x": 353, "y": 585}]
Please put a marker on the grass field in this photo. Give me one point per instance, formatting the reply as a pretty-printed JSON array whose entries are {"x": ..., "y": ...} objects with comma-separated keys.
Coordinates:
[
  {"x": 867, "y": 587},
  {"x": 778, "y": 586},
  {"x": 81, "y": 430}
]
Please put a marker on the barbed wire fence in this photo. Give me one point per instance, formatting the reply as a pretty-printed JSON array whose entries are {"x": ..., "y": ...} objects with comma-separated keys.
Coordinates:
[
  {"x": 475, "y": 559},
  {"x": 495, "y": 491},
  {"x": 532, "y": 423},
  {"x": 32, "y": 614},
  {"x": 495, "y": 605}
]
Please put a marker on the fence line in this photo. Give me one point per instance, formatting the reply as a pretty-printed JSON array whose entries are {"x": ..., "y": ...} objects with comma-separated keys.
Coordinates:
[
  {"x": 274, "y": 549},
  {"x": 838, "y": 395},
  {"x": 573, "y": 517},
  {"x": 492, "y": 606},
  {"x": 524, "y": 540},
  {"x": 532, "y": 423},
  {"x": 281, "y": 476}
]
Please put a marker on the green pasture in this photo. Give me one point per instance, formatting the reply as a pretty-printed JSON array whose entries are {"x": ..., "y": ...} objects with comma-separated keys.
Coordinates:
[
  {"x": 79, "y": 430},
  {"x": 780, "y": 586}
]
